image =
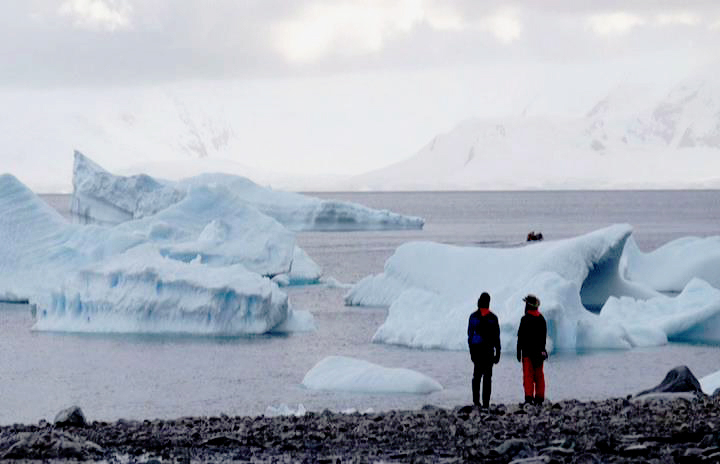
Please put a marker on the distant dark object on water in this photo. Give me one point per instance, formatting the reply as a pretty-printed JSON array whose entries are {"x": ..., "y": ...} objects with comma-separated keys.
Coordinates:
[{"x": 533, "y": 237}]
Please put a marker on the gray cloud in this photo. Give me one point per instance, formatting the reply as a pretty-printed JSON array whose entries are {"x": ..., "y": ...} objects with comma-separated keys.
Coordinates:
[{"x": 43, "y": 44}]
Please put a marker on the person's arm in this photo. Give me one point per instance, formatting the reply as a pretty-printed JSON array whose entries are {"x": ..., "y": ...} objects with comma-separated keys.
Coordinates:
[
  {"x": 498, "y": 345},
  {"x": 519, "y": 338}
]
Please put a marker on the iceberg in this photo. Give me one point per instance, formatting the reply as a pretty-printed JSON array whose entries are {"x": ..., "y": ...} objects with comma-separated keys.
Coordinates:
[
  {"x": 430, "y": 289},
  {"x": 710, "y": 383},
  {"x": 201, "y": 266},
  {"x": 344, "y": 374},
  {"x": 140, "y": 291},
  {"x": 670, "y": 267},
  {"x": 104, "y": 197},
  {"x": 99, "y": 196}
]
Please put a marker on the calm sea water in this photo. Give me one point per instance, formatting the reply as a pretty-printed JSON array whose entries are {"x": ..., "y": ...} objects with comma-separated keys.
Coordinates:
[{"x": 120, "y": 376}]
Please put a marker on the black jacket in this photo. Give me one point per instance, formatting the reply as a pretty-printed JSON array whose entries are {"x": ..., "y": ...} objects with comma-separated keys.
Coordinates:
[
  {"x": 484, "y": 337},
  {"x": 531, "y": 337}
]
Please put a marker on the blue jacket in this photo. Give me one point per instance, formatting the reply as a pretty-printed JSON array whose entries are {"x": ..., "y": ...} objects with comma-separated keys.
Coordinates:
[{"x": 484, "y": 336}]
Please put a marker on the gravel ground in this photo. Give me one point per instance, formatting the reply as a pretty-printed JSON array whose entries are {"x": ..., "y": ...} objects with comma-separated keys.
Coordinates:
[{"x": 670, "y": 428}]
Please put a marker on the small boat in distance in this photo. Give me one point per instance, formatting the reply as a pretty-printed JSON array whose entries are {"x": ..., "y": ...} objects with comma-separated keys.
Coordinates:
[{"x": 533, "y": 237}]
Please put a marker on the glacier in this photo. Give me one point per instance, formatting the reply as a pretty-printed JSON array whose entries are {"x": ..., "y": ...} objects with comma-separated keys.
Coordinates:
[
  {"x": 430, "y": 289},
  {"x": 346, "y": 374},
  {"x": 202, "y": 265},
  {"x": 103, "y": 197}
]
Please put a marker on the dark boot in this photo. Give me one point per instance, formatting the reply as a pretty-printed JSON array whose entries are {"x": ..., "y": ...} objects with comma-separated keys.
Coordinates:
[
  {"x": 528, "y": 400},
  {"x": 539, "y": 400}
]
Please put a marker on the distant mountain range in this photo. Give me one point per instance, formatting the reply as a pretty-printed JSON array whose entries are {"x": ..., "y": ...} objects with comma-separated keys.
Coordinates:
[
  {"x": 622, "y": 142},
  {"x": 626, "y": 140}
]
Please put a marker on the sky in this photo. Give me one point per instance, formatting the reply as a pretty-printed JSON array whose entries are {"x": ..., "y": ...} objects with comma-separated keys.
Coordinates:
[{"x": 346, "y": 86}]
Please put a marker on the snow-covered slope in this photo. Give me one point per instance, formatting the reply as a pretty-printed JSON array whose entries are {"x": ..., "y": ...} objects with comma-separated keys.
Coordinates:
[
  {"x": 626, "y": 140},
  {"x": 104, "y": 197},
  {"x": 432, "y": 288}
]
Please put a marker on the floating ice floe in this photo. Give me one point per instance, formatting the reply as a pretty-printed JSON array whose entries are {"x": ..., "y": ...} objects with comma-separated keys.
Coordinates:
[
  {"x": 104, "y": 197},
  {"x": 431, "y": 289},
  {"x": 670, "y": 267},
  {"x": 340, "y": 373},
  {"x": 195, "y": 267},
  {"x": 285, "y": 410},
  {"x": 710, "y": 383}
]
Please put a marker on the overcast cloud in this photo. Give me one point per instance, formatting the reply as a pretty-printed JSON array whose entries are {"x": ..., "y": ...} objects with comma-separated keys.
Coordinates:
[
  {"x": 70, "y": 42},
  {"x": 341, "y": 86}
]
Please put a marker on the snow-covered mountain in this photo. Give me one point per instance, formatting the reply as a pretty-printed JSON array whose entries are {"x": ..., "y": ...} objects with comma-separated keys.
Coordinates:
[
  {"x": 125, "y": 127},
  {"x": 624, "y": 141}
]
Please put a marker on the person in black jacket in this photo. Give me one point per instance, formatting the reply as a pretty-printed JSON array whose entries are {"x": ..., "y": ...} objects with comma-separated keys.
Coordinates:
[
  {"x": 484, "y": 344},
  {"x": 531, "y": 350}
]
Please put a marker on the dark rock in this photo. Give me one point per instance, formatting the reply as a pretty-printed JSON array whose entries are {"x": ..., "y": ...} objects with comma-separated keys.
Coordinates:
[
  {"x": 636, "y": 451},
  {"x": 221, "y": 441},
  {"x": 70, "y": 417},
  {"x": 533, "y": 460},
  {"x": 556, "y": 450},
  {"x": 52, "y": 444},
  {"x": 466, "y": 410},
  {"x": 512, "y": 447},
  {"x": 679, "y": 379},
  {"x": 586, "y": 458}
]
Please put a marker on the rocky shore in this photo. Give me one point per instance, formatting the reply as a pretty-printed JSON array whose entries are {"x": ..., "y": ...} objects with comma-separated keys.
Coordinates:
[{"x": 655, "y": 428}]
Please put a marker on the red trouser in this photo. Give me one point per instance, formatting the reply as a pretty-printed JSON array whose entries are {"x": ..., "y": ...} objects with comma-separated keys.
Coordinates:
[{"x": 533, "y": 380}]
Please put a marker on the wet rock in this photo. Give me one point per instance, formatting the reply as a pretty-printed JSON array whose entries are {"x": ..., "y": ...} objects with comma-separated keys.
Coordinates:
[
  {"x": 70, "y": 417},
  {"x": 221, "y": 441},
  {"x": 636, "y": 451},
  {"x": 52, "y": 444},
  {"x": 533, "y": 460},
  {"x": 512, "y": 447},
  {"x": 679, "y": 379}
]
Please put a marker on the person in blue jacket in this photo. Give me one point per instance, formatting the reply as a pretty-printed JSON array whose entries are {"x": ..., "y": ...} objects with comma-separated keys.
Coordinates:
[{"x": 484, "y": 344}]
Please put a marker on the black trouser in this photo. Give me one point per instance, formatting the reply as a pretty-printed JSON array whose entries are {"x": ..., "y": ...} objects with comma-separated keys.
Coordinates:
[{"x": 482, "y": 370}]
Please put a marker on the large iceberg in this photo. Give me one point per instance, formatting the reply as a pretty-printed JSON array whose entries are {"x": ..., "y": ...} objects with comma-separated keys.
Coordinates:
[
  {"x": 99, "y": 196},
  {"x": 670, "y": 267},
  {"x": 201, "y": 265},
  {"x": 104, "y": 197},
  {"x": 344, "y": 374},
  {"x": 432, "y": 288},
  {"x": 141, "y": 291}
]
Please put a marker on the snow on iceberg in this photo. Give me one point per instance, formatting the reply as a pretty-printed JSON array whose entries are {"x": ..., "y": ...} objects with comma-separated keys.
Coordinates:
[
  {"x": 340, "y": 373},
  {"x": 432, "y": 288},
  {"x": 670, "y": 267},
  {"x": 211, "y": 225},
  {"x": 105, "y": 197},
  {"x": 141, "y": 291}
]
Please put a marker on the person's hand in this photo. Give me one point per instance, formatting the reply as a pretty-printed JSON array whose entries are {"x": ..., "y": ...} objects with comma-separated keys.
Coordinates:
[
  {"x": 519, "y": 356},
  {"x": 544, "y": 355},
  {"x": 497, "y": 358}
]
